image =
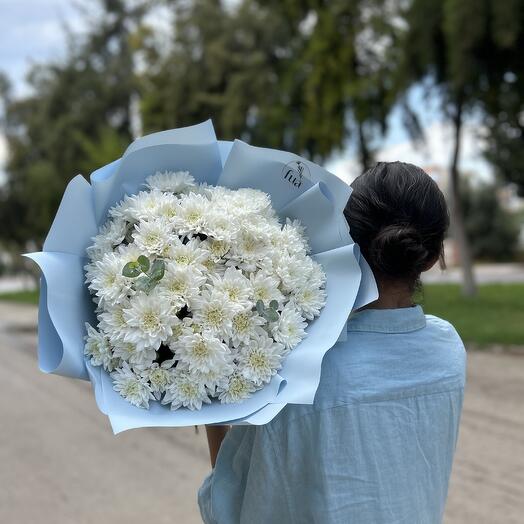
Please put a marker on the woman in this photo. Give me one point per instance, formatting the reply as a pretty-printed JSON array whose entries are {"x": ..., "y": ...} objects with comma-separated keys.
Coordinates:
[{"x": 378, "y": 442}]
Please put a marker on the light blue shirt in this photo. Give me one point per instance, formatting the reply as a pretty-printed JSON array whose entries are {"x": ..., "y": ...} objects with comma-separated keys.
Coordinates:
[{"x": 377, "y": 445}]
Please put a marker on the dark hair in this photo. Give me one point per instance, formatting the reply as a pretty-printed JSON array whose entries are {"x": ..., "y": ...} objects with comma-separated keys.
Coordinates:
[{"x": 398, "y": 216}]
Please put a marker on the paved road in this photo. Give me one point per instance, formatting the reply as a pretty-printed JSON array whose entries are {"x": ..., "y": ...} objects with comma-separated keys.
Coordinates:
[{"x": 60, "y": 463}]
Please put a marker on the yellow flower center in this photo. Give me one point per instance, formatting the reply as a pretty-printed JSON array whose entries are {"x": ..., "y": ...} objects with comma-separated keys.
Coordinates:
[
  {"x": 257, "y": 360},
  {"x": 241, "y": 322},
  {"x": 200, "y": 349},
  {"x": 215, "y": 316},
  {"x": 150, "y": 321}
]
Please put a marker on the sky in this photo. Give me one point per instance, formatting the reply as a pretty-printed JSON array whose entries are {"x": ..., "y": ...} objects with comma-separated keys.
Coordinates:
[{"x": 31, "y": 31}]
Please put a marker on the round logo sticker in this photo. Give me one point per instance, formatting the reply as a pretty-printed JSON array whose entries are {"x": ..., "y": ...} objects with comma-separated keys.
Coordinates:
[{"x": 295, "y": 172}]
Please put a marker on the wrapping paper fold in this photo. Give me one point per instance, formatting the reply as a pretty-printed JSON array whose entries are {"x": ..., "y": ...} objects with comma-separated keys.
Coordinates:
[{"x": 299, "y": 190}]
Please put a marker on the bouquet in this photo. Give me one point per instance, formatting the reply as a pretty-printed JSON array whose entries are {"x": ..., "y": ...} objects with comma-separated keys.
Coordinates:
[
  {"x": 200, "y": 292},
  {"x": 198, "y": 281}
]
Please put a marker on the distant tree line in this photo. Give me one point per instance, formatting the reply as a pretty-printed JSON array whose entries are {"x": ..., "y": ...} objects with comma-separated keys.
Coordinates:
[{"x": 309, "y": 76}]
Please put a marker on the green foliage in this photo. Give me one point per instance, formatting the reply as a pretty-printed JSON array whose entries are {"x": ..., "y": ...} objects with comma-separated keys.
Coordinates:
[
  {"x": 493, "y": 317},
  {"x": 77, "y": 117},
  {"x": 270, "y": 313},
  {"x": 150, "y": 274},
  {"x": 493, "y": 231},
  {"x": 280, "y": 74}
]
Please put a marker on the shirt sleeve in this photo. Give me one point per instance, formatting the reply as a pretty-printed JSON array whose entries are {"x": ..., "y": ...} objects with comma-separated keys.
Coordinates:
[{"x": 204, "y": 500}]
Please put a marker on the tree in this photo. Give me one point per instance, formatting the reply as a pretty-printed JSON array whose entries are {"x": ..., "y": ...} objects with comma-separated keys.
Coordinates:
[
  {"x": 303, "y": 76},
  {"x": 493, "y": 231},
  {"x": 466, "y": 50},
  {"x": 77, "y": 117}
]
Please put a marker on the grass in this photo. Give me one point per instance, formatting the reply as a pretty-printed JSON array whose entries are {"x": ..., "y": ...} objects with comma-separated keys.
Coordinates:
[
  {"x": 495, "y": 316},
  {"x": 22, "y": 297}
]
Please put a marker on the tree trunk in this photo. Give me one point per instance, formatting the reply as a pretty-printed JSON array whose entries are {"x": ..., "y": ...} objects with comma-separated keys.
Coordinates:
[
  {"x": 458, "y": 230},
  {"x": 364, "y": 153}
]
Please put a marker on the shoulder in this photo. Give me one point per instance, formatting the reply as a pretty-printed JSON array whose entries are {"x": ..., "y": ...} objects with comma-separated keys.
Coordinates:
[
  {"x": 444, "y": 332},
  {"x": 447, "y": 351}
]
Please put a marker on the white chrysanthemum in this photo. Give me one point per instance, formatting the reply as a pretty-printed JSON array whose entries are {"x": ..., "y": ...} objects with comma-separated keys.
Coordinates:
[
  {"x": 137, "y": 207},
  {"x": 245, "y": 326},
  {"x": 265, "y": 287},
  {"x": 290, "y": 327},
  {"x": 153, "y": 237},
  {"x": 309, "y": 300},
  {"x": 291, "y": 237},
  {"x": 167, "y": 207},
  {"x": 180, "y": 329},
  {"x": 214, "y": 312},
  {"x": 134, "y": 388},
  {"x": 192, "y": 216},
  {"x": 260, "y": 359},
  {"x": 173, "y": 181},
  {"x": 128, "y": 253},
  {"x": 150, "y": 320},
  {"x": 236, "y": 388},
  {"x": 111, "y": 234},
  {"x": 106, "y": 281},
  {"x": 112, "y": 322},
  {"x": 98, "y": 349},
  {"x": 185, "y": 390},
  {"x": 234, "y": 285},
  {"x": 216, "y": 248},
  {"x": 293, "y": 271},
  {"x": 160, "y": 376},
  {"x": 137, "y": 358},
  {"x": 202, "y": 352},
  {"x": 181, "y": 284},
  {"x": 251, "y": 243},
  {"x": 215, "y": 377},
  {"x": 220, "y": 225},
  {"x": 187, "y": 254},
  {"x": 245, "y": 201}
]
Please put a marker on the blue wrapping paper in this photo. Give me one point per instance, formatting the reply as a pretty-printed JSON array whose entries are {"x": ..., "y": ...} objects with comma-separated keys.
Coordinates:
[{"x": 299, "y": 189}]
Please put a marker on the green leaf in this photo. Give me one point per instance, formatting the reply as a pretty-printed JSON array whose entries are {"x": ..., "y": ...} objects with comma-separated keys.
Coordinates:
[
  {"x": 157, "y": 270},
  {"x": 143, "y": 261},
  {"x": 260, "y": 307},
  {"x": 131, "y": 270},
  {"x": 145, "y": 284},
  {"x": 271, "y": 315},
  {"x": 273, "y": 305}
]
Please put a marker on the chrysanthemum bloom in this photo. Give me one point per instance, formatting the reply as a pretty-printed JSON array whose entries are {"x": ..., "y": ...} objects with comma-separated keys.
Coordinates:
[
  {"x": 150, "y": 320},
  {"x": 260, "y": 359},
  {"x": 185, "y": 390},
  {"x": 134, "y": 388}
]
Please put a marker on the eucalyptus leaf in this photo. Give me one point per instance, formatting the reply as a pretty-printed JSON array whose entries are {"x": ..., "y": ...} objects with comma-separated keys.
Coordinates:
[
  {"x": 273, "y": 305},
  {"x": 145, "y": 284},
  {"x": 131, "y": 270},
  {"x": 143, "y": 261},
  {"x": 157, "y": 270},
  {"x": 260, "y": 307},
  {"x": 271, "y": 315}
]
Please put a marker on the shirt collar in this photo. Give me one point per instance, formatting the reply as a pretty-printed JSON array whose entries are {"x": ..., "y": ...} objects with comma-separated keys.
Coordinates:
[{"x": 401, "y": 320}]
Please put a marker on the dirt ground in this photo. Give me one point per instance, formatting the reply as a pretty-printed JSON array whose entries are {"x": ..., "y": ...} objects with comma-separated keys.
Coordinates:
[{"x": 61, "y": 464}]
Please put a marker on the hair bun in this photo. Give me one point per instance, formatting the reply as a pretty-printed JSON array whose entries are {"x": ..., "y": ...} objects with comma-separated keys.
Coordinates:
[{"x": 398, "y": 251}]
